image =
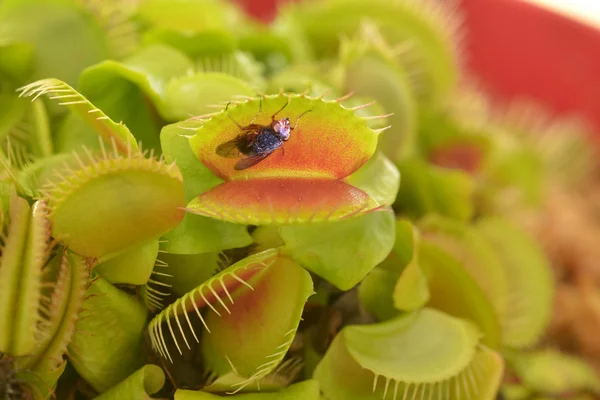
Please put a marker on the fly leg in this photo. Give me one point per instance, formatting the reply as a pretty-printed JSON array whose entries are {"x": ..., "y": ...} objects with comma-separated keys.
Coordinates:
[
  {"x": 281, "y": 109},
  {"x": 231, "y": 118},
  {"x": 298, "y": 119},
  {"x": 259, "y": 111}
]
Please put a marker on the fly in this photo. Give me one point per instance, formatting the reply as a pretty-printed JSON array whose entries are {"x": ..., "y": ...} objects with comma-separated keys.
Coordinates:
[{"x": 257, "y": 142}]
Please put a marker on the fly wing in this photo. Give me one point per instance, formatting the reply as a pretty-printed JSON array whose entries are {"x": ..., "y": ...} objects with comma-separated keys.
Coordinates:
[
  {"x": 250, "y": 161},
  {"x": 236, "y": 147},
  {"x": 229, "y": 149}
]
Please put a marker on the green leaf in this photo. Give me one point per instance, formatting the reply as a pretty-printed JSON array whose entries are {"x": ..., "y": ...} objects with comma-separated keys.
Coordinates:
[
  {"x": 199, "y": 234},
  {"x": 375, "y": 293},
  {"x": 454, "y": 291},
  {"x": 411, "y": 290},
  {"x": 379, "y": 178},
  {"x": 57, "y": 30},
  {"x": 187, "y": 271},
  {"x": 122, "y": 90},
  {"x": 405, "y": 247},
  {"x": 476, "y": 255},
  {"x": 418, "y": 355},
  {"x": 342, "y": 252},
  {"x": 267, "y": 316},
  {"x": 529, "y": 278},
  {"x": 132, "y": 267},
  {"x": 430, "y": 189},
  {"x": 140, "y": 385},
  {"x": 116, "y": 348},
  {"x": 16, "y": 61},
  {"x": 197, "y": 178},
  {"x": 306, "y": 390}
]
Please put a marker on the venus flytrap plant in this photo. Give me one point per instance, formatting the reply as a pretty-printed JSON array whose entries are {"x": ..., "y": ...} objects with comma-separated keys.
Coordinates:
[{"x": 357, "y": 261}]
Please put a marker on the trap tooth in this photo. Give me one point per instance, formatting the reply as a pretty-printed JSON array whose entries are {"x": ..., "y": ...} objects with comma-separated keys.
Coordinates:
[
  {"x": 135, "y": 198},
  {"x": 116, "y": 134},
  {"x": 283, "y": 375},
  {"x": 464, "y": 370}
]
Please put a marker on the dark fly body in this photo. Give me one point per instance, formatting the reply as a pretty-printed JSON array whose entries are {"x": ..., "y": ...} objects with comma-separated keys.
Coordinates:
[{"x": 256, "y": 142}]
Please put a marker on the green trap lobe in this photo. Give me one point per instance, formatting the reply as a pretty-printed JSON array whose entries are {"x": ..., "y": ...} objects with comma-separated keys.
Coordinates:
[
  {"x": 134, "y": 200},
  {"x": 266, "y": 316}
]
